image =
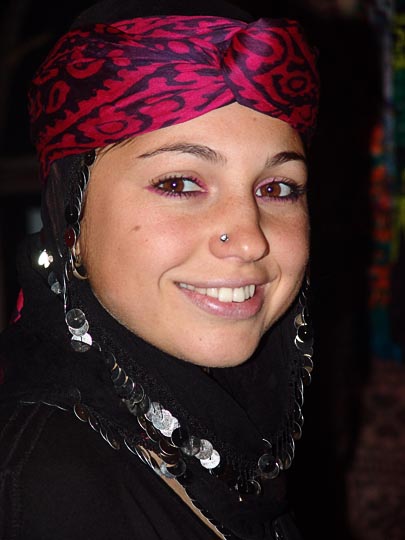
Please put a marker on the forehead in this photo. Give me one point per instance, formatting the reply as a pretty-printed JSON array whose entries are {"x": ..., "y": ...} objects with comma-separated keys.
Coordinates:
[{"x": 229, "y": 128}]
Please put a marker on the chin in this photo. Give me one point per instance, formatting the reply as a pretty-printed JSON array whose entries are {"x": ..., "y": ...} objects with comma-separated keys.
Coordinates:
[
  {"x": 227, "y": 363},
  {"x": 219, "y": 359}
]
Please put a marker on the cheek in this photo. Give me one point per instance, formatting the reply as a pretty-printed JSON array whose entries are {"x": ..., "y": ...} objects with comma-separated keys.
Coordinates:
[
  {"x": 129, "y": 251},
  {"x": 297, "y": 249},
  {"x": 289, "y": 244}
]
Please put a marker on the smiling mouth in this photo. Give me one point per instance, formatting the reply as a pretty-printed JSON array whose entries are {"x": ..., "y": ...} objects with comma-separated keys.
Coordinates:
[{"x": 223, "y": 294}]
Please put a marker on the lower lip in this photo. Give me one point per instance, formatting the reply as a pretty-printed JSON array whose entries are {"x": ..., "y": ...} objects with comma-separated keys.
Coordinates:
[{"x": 229, "y": 310}]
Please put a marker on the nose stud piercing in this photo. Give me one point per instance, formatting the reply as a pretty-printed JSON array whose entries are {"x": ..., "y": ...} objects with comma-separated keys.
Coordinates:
[{"x": 224, "y": 237}]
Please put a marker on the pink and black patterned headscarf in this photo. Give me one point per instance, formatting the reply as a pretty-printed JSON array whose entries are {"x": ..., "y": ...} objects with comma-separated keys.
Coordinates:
[{"x": 104, "y": 83}]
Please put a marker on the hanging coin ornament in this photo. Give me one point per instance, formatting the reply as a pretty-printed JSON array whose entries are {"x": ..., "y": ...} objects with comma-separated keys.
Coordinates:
[
  {"x": 45, "y": 259},
  {"x": 76, "y": 322},
  {"x": 212, "y": 461},
  {"x": 54, "y": 284},
  {"x": 81, "y": 343}
]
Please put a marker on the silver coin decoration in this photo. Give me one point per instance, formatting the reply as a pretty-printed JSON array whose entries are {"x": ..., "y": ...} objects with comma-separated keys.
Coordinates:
[
  {"x": 167, "y": 431},
  {"x": 77, "y": 322},
  {"x": 163, "y": 420},
  {"x": 57, "y": 288},
  {"x": 54, "y": 284},
  {"x": 81, "y": 412},
  {"x": 45, "y": 259},
  {"x": 205, "y": 451},
  {"x": 81, "y": 343},
  {"x": 192, "y": 446},
  {"x": 211, "y": 462},
  {"x": 155, "y": 412}
]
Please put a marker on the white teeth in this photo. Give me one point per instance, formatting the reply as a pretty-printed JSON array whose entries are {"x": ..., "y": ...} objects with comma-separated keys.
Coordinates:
[
  {"x": 238, "y": 295},
  {"x": 224, "y": 294},
  {"x": 212, "y": 292},
  {"x": 186, "y": 286},
  {"x": 201, "y": 291}
]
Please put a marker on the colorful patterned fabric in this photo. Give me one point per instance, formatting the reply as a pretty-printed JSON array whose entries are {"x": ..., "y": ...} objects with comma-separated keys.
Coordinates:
[{"x": 106, "y": 83}]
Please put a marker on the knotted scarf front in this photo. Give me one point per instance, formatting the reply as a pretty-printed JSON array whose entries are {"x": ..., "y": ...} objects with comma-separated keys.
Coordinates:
[{"x": 106, "y": 83}]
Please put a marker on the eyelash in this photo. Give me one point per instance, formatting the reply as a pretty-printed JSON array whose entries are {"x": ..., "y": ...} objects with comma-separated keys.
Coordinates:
[
  {"x": 171, "y": 193},
  {"x": 296, "y": 191}
]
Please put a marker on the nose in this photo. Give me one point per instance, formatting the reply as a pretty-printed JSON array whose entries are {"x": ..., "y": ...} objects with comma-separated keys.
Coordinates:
[{"x": 238, "y": 232}]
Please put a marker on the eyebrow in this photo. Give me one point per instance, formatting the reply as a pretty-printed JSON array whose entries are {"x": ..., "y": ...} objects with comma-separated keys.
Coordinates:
[
  {"x": 198, "y": 150},
  {"x": 284, "y": 157},
  {"x": 209, "y": 154}
]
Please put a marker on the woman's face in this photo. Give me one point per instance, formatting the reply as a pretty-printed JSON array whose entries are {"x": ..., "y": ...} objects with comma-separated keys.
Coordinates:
[{"x": 156, "y": 208}]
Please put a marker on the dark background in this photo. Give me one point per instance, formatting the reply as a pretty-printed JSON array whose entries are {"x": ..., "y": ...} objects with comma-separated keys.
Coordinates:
[{"x": 339, "y": 183}]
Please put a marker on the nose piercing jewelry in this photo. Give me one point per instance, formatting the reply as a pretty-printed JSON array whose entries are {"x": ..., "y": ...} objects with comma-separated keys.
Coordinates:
[{"x": 224, "y": 237}]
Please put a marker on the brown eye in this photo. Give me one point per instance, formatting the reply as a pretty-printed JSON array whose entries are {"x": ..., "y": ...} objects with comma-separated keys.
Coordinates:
[
  {"x": 174, "y": 185},
  {"x": 274, "y": 190},
  {"x": 177, "y": 185},
  {"x": 269, "y": 190}
]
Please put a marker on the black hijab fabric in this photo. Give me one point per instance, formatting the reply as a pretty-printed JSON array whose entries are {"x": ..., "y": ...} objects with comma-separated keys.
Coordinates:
[
  {"x": 234, "y": 408},
  {"x": 263, "y": 385}
]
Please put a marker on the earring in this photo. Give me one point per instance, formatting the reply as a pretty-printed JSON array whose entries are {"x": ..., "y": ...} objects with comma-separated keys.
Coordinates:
[
  {"x": 224, "y": 238},
  {"x": 73, "y": 215},
  {"x": 78, "y": 269}
]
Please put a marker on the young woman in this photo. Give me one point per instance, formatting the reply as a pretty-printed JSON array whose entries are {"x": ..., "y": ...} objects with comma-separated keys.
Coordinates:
[{"x": 154, "y": 372}]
